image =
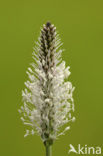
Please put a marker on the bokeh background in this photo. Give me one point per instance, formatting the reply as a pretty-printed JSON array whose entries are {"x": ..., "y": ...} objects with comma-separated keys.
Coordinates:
[{"x": 80, "y": 24}]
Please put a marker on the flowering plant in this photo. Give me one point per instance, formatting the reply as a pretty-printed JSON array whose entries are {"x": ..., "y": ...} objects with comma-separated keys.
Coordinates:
[{"x": 48, "y": 100}]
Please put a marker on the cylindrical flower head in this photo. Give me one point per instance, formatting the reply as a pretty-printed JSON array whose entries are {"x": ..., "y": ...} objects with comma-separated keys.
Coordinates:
[{"x": 48, "y": 100}]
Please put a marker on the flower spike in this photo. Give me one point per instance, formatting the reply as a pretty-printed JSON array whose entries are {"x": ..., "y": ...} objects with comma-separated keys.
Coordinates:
[{"x": 48, "y": 100}]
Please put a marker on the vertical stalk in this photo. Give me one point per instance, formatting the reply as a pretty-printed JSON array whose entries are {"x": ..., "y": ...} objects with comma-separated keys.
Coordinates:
[{"x": 48, "y": 150}]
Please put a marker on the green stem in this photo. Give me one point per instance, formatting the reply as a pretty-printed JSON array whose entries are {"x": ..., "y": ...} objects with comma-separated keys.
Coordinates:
[{"x": 48, "y": 150}]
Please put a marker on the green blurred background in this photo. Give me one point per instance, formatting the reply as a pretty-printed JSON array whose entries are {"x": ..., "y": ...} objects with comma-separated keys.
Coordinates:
[{"x": 80, "y": 24}]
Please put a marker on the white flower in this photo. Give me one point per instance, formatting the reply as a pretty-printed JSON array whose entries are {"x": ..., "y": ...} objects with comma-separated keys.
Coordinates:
[
  {"x": 27, "y": 133},
  {"x": 67, "y": 72},
  {"x": 32, "y": 132},
  {"x": 48, "y": 100}
]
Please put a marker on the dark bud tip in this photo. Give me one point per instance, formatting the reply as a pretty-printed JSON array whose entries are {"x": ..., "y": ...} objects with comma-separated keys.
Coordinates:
[{"x": 48, "y": 24}]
